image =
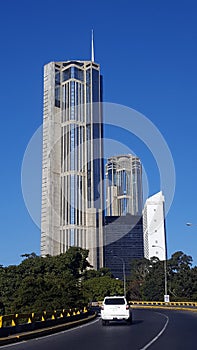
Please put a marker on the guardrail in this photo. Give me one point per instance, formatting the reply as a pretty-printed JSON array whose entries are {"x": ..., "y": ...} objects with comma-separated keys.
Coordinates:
[
  {"x": 16, "y": 323},
  {"x": 21, "y": 318},
  {"x": 161, "y": 303},
  {"x": 154, "y": 303}
]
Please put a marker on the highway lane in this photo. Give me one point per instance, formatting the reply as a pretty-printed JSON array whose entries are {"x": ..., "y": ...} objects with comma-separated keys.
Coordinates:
[
  {"x": 151, "y": 329},
  {"x": 181, "y": 333}
]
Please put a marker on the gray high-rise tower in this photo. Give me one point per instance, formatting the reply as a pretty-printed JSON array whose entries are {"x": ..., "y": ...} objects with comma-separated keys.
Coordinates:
[
  {"x": 124, "y": 185},
  {"x": 72, "y": 178}
]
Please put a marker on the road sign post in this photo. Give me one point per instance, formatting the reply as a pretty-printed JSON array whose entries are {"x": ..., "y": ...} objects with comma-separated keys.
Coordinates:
[{"x": 166, "y": 298}]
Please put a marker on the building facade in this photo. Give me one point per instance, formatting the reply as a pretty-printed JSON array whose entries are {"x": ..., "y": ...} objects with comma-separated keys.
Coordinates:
[
  {"x": 154, "y": 227},
  {"x": 124, "y": 185},
  {"x": 72, "y": 169},
  {"x": 123, "y": 238}
]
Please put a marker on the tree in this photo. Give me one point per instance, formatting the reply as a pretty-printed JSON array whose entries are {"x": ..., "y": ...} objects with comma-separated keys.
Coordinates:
[
  {"x": 91, "y": 273},
  {"x": 44, "y": 283},
  {"x": 67, "y": 280},
  {"x": 179, "y": 262},
  {"x": 139, "y": 271},
  {"x": 96, "y": 288},
  {"x": 180, "y": 274},
  {"x": 153, "y": 286},
  {"x": 2, "y": 309}
]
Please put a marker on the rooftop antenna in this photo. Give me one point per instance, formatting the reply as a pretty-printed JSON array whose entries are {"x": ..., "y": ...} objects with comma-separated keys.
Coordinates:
[{"x": 92, "y": 51}]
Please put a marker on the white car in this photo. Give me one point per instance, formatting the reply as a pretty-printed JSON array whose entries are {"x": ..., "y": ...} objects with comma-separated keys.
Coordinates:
[{"x": 115, "y": 308}]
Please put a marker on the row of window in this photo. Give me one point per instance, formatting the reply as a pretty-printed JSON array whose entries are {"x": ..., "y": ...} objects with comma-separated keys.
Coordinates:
[
  {"x": 72, "y": 237},
  {"x": 72, "y": 148},
  {"x": 72, "y": 200},
  {"x": 76, "y": 73}
]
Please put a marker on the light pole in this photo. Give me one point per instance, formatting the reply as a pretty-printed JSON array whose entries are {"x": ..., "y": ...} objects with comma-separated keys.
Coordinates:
[
  {"x": 165, "y": 274},
  {"x": 124, "y": 276}
]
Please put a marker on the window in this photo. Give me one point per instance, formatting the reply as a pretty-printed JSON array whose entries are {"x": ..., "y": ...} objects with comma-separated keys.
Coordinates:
[
  {"x": 57, "y": 97},
  {"x": 115, "y": 301},
  {"x": 66, "y": 74},
  {"x": 57, "y": 77},
  {"x": 72, "y": 73},
  {"x": 78, "y": 74},
  {"x": 95, "y": 85}
]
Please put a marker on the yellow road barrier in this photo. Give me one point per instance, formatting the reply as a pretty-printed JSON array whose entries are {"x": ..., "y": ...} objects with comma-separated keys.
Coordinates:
[
  {"x": 161, "y": 303},
  {"x": 32, "y": 317}
]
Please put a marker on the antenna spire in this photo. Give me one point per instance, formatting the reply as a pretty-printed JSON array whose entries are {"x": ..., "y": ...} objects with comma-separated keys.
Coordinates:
[{"x": 92, "y": 53}]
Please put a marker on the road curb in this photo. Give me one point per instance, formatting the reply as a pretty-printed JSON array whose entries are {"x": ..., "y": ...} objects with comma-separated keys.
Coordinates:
[{"x": 44, "y": 331}]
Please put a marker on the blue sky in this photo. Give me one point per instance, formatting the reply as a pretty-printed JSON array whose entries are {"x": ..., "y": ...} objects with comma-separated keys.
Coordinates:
[{"x": 148, "y": 53}]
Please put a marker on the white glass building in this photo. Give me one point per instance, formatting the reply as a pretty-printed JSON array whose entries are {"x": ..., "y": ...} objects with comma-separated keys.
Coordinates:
[
  {"x": 72, "y": 170},
  {"x": 124, "y": 185},
  {"x": 154, "y": 227}
]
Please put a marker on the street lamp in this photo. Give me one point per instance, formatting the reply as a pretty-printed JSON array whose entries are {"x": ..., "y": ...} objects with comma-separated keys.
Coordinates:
[
  {"x": 124, "y": 276},
  {"x": 190, "y": 224},
  {"x": 165, "y": 275}
]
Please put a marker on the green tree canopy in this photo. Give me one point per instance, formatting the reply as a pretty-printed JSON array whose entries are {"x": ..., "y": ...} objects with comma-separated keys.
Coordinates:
[
  {"x": 96, "y": 288},
  {"x": 40, "y": 283}
]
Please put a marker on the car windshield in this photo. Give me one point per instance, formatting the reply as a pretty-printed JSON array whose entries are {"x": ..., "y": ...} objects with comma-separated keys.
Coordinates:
[{"x": 115, "y": 301}]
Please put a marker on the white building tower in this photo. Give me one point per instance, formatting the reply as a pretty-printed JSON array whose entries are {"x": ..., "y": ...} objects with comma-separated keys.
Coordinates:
[{"x": 154, "y": 227}]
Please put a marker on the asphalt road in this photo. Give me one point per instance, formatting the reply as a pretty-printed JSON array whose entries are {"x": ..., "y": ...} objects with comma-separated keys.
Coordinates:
[{"x": 151, "y": 329}]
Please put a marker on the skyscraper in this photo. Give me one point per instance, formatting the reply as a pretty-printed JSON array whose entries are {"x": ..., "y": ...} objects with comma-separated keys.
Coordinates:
[
  {"x": 154, "y": 227},
  {"x": 123, "y": 233},
  {"x": 124, "y": 185},
  {"x": 72, "y": 171},
  {"x": 123, "y": 242}
]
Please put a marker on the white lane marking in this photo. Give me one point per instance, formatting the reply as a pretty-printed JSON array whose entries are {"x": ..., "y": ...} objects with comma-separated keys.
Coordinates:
[
  {"x": 13, "y": 344},
  {"x": 50, "y": 335},
  {"x": 67, "y": 330},
  {"x": 159, "y": 334}
]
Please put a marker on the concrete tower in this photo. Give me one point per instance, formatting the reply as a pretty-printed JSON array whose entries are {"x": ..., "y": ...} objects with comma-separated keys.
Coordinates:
[
  {"x": 124, "y": 185},
  {"x": 154, "y": 227},
  {"x": 72, "y": 170}
]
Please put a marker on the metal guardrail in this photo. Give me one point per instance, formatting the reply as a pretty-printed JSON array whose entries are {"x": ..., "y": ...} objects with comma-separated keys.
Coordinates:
[
  {"x": 161, "y": 303},
  {"x": 14, "y": 320},
  {"x": 155, "y": 303}
]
